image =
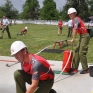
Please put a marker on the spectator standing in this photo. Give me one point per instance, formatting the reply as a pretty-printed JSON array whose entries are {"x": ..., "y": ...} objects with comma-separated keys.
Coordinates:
[
  {"x": 14, "y": 21},
  {"x": 69, "y": 25},
  {"x": 60, "y": 24},
  {"x": 5, "y": 23},
  {"x": 35, "y": 71},
  {"x": 10, "y": 22},
  {"x": 82, "y": 45},
  {"x": 88, "y": 25}
]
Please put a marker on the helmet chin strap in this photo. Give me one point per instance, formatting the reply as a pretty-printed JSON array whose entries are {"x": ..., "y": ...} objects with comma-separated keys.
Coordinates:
[{"x": 24, "y": 55}]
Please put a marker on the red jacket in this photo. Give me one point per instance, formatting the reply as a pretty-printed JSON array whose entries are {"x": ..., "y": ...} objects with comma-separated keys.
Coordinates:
[
  {"x": 79, "y": 26},
  {"x": 38, "y": 67},
  {"x": 60, "y": 24},
  {"x": 23, "y": 30}
]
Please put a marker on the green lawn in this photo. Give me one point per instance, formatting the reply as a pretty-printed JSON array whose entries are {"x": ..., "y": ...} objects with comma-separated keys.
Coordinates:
[{"x": 39, "y": 37}]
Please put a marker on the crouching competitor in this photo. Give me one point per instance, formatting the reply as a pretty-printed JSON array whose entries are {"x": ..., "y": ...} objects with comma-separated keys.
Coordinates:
[
  {"x": 23, "y": 31},
  {"x": 35, "y": 71}
]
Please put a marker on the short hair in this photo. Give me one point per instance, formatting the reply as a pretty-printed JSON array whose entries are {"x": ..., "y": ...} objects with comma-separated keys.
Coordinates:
[{"x": 25, "y": 49}]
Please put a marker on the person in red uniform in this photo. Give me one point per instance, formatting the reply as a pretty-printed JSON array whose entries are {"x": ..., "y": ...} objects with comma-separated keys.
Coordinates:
[
  {"x": 35, "y": 71},
  {"x": 60, "y": 24},
  {"x": 23, "y": 31},
  {"x": 82, "y": 45}
]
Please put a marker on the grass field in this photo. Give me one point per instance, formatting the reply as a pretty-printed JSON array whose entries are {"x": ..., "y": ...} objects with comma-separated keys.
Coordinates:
[{"x": 37, "y": 38}]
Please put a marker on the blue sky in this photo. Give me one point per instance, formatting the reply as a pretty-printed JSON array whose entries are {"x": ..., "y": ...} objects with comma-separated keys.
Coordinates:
[{"x": 18, "y": 3}]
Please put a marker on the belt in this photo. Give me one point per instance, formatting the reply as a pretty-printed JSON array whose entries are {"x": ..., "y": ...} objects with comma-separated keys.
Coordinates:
[
  {"x": 83, "y": 34},
  {"x": 47, "y": 79}
]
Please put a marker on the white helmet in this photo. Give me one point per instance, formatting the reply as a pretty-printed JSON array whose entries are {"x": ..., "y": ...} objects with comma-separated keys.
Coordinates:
[
  {"x": 26, "y": 28},
  {"x": 72, "y": 10},
  {"x": 16, "y": 47}
]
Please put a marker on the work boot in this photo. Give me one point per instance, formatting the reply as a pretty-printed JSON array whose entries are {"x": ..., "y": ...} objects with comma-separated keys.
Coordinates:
[
  {"x": 73, "y": 70},
  {"x": 52, "y": 91},
  {"x": 84, "y": 71}
]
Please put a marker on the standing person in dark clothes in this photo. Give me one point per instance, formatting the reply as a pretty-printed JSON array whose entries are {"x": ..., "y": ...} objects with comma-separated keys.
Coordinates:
[
  {"x": 5, "y": 23},
  {"x": 69, "y": 25}
]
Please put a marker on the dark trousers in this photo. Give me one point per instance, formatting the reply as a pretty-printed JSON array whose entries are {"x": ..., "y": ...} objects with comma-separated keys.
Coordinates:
[
  {"x": 21, "y": 78},
  {"x": 69, "y": 32},
  {"x": 7, "y": 30}
]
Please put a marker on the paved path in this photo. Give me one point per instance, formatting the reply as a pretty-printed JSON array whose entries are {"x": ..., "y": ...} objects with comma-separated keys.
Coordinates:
[{"x": 64, "y": 84}]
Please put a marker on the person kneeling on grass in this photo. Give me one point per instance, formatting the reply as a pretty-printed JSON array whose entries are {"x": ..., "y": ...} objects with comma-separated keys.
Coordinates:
[
  {"x": 23, "y": 31},
  {"x": 35, "y": 71}
]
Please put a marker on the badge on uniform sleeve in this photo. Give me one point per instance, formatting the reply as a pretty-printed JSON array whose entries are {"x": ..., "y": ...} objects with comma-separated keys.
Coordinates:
[
  {"x": 35, "y": 72},
  {"x": 75, "y": 26}
]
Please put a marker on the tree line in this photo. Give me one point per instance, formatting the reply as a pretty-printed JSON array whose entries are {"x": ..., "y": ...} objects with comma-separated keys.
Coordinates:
[{"x": 31, "y": 10}]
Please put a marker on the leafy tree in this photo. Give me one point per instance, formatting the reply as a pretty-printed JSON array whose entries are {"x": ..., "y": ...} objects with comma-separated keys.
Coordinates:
[
  {"x": 63, "y": 13},
  {"x": 91, "y": 7},
  {"x": 31, "y": 10},
  {"x": 83, "y": 10},
  {"x": 1, "y": 13},
  {"x": 49, "y": 11},
  {"x": 8, "y": 10}
]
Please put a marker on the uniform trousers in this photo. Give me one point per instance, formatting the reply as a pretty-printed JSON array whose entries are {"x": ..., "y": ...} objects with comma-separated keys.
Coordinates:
[
  {"x": 59, "y": 30},
  {"x": 21, "y": 78},
  {"x": 69, "y": 31},
  {"x": 7, "y": 30},
  {"x": 81, "y": 51}
]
